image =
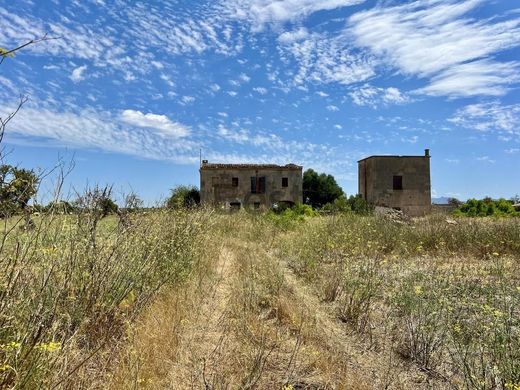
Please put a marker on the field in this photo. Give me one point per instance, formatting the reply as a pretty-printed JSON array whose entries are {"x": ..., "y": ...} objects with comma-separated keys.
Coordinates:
[{"x": 200, "y": 299}]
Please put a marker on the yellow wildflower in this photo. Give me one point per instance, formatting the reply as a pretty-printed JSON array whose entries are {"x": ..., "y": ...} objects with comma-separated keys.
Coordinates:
[
  {"x": 49, "y": 347},
  {"x": 418, "y": 290}
]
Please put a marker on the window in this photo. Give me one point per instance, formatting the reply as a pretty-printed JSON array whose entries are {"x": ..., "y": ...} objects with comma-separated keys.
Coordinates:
[
  {"x": 256, "y": 205},
  {"x": 285, "y": 182},
  {"x": 398, "y": 182},
  {"x": 234, "y": 182},
  {"x": 257, "y": 185}
]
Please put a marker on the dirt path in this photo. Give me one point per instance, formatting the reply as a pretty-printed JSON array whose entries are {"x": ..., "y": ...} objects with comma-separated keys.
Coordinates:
[
  {"x": 205, "y": 334},
  {"x": 375, "y": 367},
  {"x": 247, "y": 321}
]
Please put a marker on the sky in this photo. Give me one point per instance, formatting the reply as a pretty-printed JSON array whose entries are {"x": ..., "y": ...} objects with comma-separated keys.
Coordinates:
[{"x": 132, "y": 91}]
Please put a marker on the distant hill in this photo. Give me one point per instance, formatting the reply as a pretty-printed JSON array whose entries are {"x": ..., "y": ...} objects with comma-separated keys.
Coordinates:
[{"x": 441, "y": 200}]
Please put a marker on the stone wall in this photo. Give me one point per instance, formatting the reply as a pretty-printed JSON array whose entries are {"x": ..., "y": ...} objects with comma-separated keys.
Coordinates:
[{"x": 217, "y": 187}]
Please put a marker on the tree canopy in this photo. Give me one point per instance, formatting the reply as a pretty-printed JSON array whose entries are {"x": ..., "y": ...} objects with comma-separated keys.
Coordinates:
[
  {"x": 183, "y": 197},
  {"x": 17, "y": 187},
  {"x": 319, "y": 189}
]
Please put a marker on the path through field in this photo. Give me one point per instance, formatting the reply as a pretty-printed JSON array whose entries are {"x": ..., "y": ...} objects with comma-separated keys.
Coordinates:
[{"x": 247, "y": 321}]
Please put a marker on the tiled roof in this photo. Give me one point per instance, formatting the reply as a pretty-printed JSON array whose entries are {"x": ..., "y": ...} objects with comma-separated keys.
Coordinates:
[{"x": 248, "y": 166}]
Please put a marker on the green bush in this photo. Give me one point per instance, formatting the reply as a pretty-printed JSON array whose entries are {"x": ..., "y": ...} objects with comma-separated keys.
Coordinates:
[
  {"x": 486, "y": 207},
  {"x": 183, "y": 197},
  {"x": 354, "y": 203}
]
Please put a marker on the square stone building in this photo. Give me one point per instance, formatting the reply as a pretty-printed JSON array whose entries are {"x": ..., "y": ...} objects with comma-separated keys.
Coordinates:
[
  {"x": 250, "y": 185},
  {"x": 398, "y": 182}
]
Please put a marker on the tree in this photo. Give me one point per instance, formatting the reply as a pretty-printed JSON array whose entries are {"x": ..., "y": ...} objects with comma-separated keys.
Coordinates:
[
  {"x": 17, "y": 187},
  {"x": 319, "y": 189},
  {"x": 183, "y": 197}
]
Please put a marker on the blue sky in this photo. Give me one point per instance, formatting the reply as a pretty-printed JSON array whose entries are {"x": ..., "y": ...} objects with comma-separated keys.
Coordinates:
[{"x": 133, "y": 90}]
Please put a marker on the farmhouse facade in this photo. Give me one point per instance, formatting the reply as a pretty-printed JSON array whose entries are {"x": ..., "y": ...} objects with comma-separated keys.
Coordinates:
[
  {"x": 250, "y": 185},
  {"x": 398, "y": 182}
]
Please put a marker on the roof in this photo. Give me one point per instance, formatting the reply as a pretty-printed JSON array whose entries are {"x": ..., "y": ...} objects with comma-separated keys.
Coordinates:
[
  {"x": 249, "y": 166},
  {"x": 391, "y": 156}
]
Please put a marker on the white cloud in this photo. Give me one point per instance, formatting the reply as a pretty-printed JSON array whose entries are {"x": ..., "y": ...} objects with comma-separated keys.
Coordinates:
[
  {"x": 187, "y": 100},
  {"x": 293, "y": 36},
  {"x": 77, "y": 74},
  {"x": 338, "y": 127},
  {"x": 486, "y": 159},
  {"x": 332, "y": 108},
  {"x": 433, "y": 39},
  {"x": 262, "y": 12},
  {"x": 504, "y": 119},
  {"x": 512, "y": 150},
  {"x": 131, "y": 132},
  {"x": 324, "y": 59},
  {"x": 368, "y": 95},
  {"x": 322, "y": 94},
  {"x": 244, "y": 78},
  {"x": 260, "y": 90},
  {"x": 215, "y": 87},
  {"x": 161, "y": 124}
]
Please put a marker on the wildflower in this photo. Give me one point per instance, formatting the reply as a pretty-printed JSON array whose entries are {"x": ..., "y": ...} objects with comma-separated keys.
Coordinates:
[
  {"x": 49, "y": 347},
  {"x": 5, "y": 367},
  {"x": 10, "y": 346},
  {"x": 418, "y": 290},
  {"x": 495, "y": 254},
  {"x": 457, "y": 329},
  {"x": 291, "y": 387},
  {"x": 513, "y": 386}
]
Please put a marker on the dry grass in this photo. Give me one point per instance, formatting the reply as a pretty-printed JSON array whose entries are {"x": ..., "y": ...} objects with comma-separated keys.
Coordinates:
[{"x": 338, "y": 302}]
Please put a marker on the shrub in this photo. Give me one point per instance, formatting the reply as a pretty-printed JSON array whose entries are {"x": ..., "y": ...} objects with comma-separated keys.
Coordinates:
[
  {"x": 487, "y": 207},
  {"x": 183, "y": 197}
]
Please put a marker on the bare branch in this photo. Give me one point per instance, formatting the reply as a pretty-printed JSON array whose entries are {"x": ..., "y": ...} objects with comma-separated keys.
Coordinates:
[
  {"x": 4, "y": 122},
  {"x": 5, "y": 54}
]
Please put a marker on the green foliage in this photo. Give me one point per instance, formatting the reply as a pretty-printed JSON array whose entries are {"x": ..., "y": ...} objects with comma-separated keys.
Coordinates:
[
  {"x": 319, "y": 189},
  {"x": 183, "y": 197},
  {"x": 354, "y": 203},
  {"x": 290, "y": 217},
  {"x": 487, "y": 207},
  {"x": 17, "y": 187},
  {"x": 59, "y": 207}
]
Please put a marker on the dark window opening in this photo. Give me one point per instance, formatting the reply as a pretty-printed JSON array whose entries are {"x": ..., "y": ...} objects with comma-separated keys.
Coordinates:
[
  {"x": 234, "y": 205},
  {"x": 398, "y": 182},
  {"x": 256, "y": 205},
  {"x": 257, "y": 185},
  {"x": 234, "y": 182},
  {"x": 285, "y": 182}
]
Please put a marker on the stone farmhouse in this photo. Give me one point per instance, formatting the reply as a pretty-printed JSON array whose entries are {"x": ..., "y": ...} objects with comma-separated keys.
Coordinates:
[
  {"x": 250, "y": 185},
  {"x": 398, "y": 182}
]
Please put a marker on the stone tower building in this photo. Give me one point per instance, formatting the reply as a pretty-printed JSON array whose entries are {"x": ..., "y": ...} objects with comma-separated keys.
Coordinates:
[
  {"x": 250, "y": 185},
  {"x": 399, "y": 182}
]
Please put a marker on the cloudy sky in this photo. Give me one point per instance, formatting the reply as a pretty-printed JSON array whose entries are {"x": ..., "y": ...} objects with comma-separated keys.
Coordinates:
[{"x": 134, "y": 89}]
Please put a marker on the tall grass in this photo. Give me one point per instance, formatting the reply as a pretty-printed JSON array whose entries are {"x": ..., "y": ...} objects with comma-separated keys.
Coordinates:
[
  {"x": 70, "y": 284},
  {"x": 448, "y": 293}
]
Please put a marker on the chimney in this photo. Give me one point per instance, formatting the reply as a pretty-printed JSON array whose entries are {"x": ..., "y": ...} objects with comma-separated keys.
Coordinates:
[{"x": 426, "y": 152}]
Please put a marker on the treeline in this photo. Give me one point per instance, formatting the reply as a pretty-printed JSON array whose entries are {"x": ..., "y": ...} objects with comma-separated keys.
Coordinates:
[{"x": 488, "y": 207}]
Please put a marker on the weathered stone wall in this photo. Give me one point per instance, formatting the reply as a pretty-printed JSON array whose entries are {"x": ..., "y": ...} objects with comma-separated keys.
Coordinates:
[
  {"x": 376, "y": 182},
  {"x": 217, "y": 186}
]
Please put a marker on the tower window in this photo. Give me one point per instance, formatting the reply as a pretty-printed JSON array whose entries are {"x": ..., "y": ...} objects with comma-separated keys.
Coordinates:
[
  {"x": 285, "y": 182},
  {"x": 234, "y": 182},
  {"x": 398, "y": 182}
]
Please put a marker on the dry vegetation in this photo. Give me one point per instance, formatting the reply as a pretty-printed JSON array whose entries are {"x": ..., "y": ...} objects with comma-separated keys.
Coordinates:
[{"x": 204, "y": 300}]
